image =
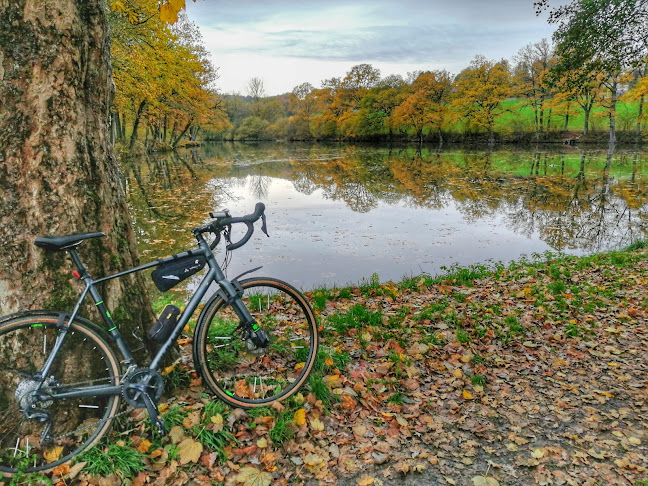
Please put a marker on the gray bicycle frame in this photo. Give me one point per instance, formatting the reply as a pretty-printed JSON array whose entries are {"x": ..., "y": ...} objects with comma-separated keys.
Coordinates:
[{"x": 215, "y": 274}]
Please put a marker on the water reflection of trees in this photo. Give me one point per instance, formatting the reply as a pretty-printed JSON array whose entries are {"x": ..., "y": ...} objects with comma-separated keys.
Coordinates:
[
  {"x": 168, "y": 196},
  {"x": 570, "y": 200}
]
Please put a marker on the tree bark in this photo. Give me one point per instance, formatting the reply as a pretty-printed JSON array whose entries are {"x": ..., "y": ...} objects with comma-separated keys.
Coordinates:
[{"x": 58, "y": 173}]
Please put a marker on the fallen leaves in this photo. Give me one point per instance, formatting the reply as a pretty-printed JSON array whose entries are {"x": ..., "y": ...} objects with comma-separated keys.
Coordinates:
[
  {"x": 189, "y": 450},
  {"x": 251, "y": 476},
  {"x": 53, "y": 454},
  {"x": 471, "y": 382},
  {"x": 300, "y": 417},
  {"x": 484, "y": 481}
]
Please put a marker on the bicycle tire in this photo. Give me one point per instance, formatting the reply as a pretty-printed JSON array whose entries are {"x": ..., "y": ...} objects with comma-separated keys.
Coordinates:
[
  {"x": 26, "y": 340},
  {"x": 240, "y": 378}
]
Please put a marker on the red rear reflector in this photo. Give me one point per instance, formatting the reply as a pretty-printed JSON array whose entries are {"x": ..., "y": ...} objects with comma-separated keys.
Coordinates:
[{"x": 76, "y": 274}]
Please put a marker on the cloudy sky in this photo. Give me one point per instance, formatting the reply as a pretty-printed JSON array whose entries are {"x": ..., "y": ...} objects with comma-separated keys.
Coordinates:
[{"x": 289, "y": 42}]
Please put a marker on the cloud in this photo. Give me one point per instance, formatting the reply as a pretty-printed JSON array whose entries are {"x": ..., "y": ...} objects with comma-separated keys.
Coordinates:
[{"x": 433, "y": 34}]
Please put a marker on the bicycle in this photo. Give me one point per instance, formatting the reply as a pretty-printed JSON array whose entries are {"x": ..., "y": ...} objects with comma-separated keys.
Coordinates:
[{"x": 255, "y": 342}]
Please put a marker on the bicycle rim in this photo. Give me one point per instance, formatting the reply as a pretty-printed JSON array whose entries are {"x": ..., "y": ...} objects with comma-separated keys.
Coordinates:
[
  {"x": 61, "y": 429},
  {"x": 249, "y": 379}
]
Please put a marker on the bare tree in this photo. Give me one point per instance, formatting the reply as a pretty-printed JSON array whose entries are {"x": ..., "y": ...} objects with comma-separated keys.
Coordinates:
[{"x": 255, "y": 89}]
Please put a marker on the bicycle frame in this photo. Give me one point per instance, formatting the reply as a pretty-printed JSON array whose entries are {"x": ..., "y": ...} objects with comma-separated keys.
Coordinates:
[{"x": 214, "y": 274}]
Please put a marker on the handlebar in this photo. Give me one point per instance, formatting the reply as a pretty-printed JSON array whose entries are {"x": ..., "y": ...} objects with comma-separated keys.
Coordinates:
[{"x": 222, "y": 220}]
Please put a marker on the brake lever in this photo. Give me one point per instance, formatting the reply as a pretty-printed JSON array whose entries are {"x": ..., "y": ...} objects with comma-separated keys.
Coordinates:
[{"x": 264, "y": 227}]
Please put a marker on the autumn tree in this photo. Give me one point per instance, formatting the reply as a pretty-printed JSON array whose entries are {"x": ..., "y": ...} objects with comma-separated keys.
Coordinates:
[
  {"x": 601, "y": 36},
  {"x": 585, "y": 88},
  {"x": 345, "y": 96},
  {"x": 303, "y": 105},
  {"x": 426, "y": 104},
  {"x": 380, "y": 103},
  {"x": 480, "y": 90},
  {"x": 638, "y": 94},
  {"x": 532, "y": 64}
]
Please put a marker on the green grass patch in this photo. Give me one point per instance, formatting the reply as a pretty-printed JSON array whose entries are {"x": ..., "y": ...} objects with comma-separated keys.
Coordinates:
[
  {"x": 281, "y": 431},
  {"x": 120, "y": 458},
  {"x": 357, "y": 317}
]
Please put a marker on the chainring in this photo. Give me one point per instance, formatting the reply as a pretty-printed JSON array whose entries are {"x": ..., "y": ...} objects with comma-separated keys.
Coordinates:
[{"x": 151, "y": 380}]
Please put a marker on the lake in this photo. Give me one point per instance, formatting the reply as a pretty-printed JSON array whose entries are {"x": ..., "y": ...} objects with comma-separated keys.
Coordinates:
[{"x": 338, "y": 214}]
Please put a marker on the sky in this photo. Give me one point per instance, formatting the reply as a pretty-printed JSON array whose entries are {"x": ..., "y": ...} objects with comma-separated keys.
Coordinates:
[{"x": 290, "y": 42}]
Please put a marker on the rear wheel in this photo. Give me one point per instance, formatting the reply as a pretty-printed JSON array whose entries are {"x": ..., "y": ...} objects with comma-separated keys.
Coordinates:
[
  {"x": 233, "y": 368},
  {"x": 39, "y": 431}
]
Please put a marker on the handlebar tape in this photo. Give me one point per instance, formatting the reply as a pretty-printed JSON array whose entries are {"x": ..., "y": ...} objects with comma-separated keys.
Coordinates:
[{"x": 249, "y": 221}]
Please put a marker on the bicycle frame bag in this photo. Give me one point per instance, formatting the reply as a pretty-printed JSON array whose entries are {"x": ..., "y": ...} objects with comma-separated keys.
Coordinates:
[{"x": 170, "y": 274}]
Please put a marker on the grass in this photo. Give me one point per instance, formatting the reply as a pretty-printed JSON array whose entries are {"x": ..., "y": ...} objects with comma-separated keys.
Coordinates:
[
  {"x": 118, "y": 458},
  {"x": 281, "y": 431},
  {"x": 357, "y": 316}
]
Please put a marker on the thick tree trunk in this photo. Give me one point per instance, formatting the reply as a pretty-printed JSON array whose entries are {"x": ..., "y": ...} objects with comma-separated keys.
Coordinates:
[{"x": 58, "y": 173}]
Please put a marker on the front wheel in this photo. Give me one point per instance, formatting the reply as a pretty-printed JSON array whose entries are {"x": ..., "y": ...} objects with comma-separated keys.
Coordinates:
[{"x": 245, "y": 376}]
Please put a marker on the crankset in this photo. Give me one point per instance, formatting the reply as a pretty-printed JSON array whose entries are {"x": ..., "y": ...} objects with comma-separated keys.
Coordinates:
[
  {"x": 142, "y": 382},
  {"x": 142, "y": 388}
]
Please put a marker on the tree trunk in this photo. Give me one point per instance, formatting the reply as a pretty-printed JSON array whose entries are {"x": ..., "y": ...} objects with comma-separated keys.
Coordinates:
[
  {"x": 613, "y": 102},
  {"x": 174, "y": 144},
  {"x": 586, "y": 123},
  {"x": 58, "y": 173},
  {"x": 140, "y": 110},
  {"x": 123, "y": 126},
  {"x": 117, "y": 124},
  {"x": 639, "y": 116}
]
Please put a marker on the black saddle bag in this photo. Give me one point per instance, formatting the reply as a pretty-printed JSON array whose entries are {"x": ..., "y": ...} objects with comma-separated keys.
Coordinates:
[{"x": 170, "y": 274}]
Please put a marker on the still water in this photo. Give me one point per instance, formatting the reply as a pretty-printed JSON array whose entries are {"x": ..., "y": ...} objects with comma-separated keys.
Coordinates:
[{"x": 337, "y": 214}]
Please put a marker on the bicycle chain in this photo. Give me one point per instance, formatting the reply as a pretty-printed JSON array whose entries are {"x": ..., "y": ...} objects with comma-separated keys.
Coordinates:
[{"x": 102, "y": 421}]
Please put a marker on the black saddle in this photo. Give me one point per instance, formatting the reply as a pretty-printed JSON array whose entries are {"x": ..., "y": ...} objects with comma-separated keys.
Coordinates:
[{"x": 59, "y": 243}]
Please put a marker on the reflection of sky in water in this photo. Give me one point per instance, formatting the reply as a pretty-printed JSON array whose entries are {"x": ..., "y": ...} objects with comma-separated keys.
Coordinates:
[
  {"x": 337, "y": 214},
  {"x": 314, "y": 241}
]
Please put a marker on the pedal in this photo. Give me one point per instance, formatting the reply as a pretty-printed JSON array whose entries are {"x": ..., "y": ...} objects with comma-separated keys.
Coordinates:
[{"x": 158, "y": 422}]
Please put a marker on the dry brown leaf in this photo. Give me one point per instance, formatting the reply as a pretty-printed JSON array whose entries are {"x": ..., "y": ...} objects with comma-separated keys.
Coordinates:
[
  {"x": 189, "y": 451},
  {"x": 176, "y": 434},
  {"x": 484, "y": 481},
  {"x": 251, "y": 476},
  {"x": 317, "y": 425},
  {"x": 61, "y": 470}
]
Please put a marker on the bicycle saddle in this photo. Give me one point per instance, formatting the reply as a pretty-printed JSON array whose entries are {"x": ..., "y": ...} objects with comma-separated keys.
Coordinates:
[{"x": 58, "y": 243}]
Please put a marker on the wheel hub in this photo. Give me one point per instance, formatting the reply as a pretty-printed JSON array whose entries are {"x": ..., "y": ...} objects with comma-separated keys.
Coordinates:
[
  {"x": 28, "y": 395},
  {"x": 257, "y": 342}
]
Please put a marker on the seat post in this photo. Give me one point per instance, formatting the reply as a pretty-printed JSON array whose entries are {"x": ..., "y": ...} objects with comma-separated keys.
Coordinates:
[{"x": 77, "y": 261}]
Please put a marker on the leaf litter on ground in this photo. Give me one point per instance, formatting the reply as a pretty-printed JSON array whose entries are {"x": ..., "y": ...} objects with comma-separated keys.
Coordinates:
[{"x": 529, "y": 374}]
